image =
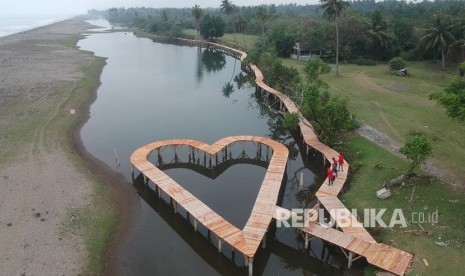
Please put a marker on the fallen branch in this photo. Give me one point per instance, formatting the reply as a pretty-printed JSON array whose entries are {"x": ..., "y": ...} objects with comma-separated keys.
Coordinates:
[{"x": 411, "y": 195}]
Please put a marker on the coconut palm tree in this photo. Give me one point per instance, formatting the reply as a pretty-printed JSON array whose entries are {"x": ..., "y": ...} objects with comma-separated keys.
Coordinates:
[
  {"x": 378, "y": 29},
  {"x": 332, "y": 9},
  {"x": 227, "y": 7},
  {"x": 379, "y": 40},
  {"x": 240, "y": 26},
  {"x": 262, "y": 14},
  {"x": 197, "y": 13},
  {"x": 438, "y": 34}
]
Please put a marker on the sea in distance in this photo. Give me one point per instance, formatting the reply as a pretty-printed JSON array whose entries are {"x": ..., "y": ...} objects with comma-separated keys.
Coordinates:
[{"x": 16, "y": 24}]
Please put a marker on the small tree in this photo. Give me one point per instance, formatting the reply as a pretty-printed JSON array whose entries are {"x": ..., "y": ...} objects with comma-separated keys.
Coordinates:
[
  {"x": 397, "y": 63},
  {"x": 314, "y": 68},
  {"x": 212, "y": 27},
  {"x": 417, "y": 149}
]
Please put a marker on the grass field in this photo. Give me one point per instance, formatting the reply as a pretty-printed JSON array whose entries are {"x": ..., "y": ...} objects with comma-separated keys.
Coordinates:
[
  {"x": 399, "y": 106},
  {"x": 377, "y": 165},
  {"x": 246, "y": 42}
]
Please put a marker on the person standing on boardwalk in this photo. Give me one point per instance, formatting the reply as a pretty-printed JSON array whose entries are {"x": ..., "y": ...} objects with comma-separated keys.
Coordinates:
[
  {"x": 330, "y": 174},
  {"x": 334, "y": 166},
  {"x": 340, "y": 161}
]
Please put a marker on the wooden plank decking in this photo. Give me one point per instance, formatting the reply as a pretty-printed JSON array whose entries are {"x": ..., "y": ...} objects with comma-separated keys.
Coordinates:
[
  {"x": 383, "y": 256},
  {"x": 353, "y": 237},
  {"x": 246, "y": 240}
]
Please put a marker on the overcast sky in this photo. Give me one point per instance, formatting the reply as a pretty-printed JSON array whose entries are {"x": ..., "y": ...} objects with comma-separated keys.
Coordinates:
[{"x": 71, "y": 7}]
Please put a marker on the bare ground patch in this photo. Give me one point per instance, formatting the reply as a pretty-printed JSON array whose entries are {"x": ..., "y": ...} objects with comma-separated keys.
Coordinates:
[{"x": 39, "y": 183}]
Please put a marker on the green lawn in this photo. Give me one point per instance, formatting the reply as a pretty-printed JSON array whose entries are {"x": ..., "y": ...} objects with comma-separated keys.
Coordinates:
[
  {"x": 376, "y": 165},
  {"x": 399, "y": 106}
]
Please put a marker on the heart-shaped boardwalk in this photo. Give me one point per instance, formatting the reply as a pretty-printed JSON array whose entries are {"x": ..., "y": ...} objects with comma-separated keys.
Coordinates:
[
  {"x": 246, "y": 240},
  {"x": 353, "y": 237}
]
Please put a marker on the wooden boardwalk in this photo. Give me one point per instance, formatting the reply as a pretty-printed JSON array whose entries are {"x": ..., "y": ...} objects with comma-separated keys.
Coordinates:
[
  {"x": 354, "y": 237},
  {"x": 354, "y": 246},
  {"x": 246, "y": 240},
  {"x": 361, "y": 242}
]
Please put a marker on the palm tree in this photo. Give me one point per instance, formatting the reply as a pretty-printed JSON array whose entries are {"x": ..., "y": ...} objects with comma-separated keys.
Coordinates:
[
  {"x": 378, "y": 29},
  {"x": 227, "y": 8},
  {"x": 378, "y": 38},
  {"x": 438, "y": 34},
  {"x": 240, "y": 25},
  {"x": 164, "y": 15},
  {"x": 332, "y": 9},
  {"x": 197, "y": 13},
  {"x": 262, "y": 14}
]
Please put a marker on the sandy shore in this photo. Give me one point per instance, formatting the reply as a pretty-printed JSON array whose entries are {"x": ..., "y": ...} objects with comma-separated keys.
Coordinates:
[{"x": 42, "y": 186}]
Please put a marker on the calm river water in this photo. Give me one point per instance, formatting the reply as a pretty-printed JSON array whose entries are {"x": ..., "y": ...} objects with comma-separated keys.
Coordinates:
[{"x": 152, "y": 91}]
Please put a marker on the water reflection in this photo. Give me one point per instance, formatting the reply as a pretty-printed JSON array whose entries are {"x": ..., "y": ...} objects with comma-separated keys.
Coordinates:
[
  {"x": 227, "y": 89},
  {"x": 209, "y": 61},
  {"x": 241, "y": 80}
]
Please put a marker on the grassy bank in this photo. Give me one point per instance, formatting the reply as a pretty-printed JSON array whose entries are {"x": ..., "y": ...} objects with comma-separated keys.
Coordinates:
[
  {"x": 96, "y": 222},
  {"x": 246, "y": 42},
  {"x": 399, "y": 106},
  {"x": 442, "y": 244}
]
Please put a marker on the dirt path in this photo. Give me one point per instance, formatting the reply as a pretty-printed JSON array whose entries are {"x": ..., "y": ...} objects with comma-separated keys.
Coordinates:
[
  {"x": 430, "y": 167},
  {"x": 39, "y": 184}
]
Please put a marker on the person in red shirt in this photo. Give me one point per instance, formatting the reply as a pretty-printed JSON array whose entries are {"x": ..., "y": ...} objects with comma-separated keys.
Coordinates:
[
  {"x": 340, "y": 161},
  {"x": 330, "y": 174}
]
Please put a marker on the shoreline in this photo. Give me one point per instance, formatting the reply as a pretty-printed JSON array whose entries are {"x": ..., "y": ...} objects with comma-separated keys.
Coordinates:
[
  {"x": 47, "y": 191},
  {"x": 121, "y": 193}
]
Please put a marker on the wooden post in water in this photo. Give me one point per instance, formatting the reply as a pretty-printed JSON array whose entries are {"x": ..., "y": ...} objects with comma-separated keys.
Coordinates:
[
  {"x": 250, "y": 262},
  {"x": 301, "y": 182},
  {"x": 351, "y": 256},
  {"x": 220, "y": 244},
  {"x": 306, "y": 240}
]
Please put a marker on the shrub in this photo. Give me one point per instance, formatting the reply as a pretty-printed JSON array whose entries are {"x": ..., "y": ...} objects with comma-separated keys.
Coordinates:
[
  {"x": 397, "y": 63},
  {"x": 411, "y": 55}
]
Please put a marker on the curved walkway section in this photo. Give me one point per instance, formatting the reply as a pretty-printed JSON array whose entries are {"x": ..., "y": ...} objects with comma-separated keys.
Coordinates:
[
  {"x": 249, "y": 238},
  {"x": 380, "y": 255}
]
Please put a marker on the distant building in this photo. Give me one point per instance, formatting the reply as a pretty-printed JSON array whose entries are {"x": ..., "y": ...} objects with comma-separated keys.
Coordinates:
[{"x": 305, "y": 55}]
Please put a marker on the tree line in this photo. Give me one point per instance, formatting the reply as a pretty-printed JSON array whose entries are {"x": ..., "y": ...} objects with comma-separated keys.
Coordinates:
[
  {"x": 367, "y": 30},
  {"x": 359, "y": 32}
]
